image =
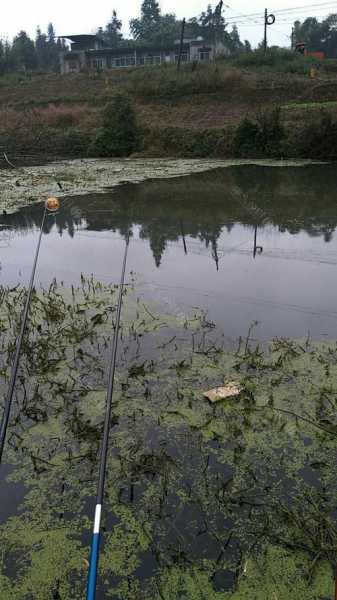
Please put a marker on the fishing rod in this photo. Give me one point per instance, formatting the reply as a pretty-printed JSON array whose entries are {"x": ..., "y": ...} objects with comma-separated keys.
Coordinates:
[
  {"x": 51, "y": 205},
  {"x": 95, "y": 544}
]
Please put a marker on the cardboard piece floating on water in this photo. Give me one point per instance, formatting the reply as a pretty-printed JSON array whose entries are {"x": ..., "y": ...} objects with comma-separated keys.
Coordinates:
[{"x": 229, "y": 390}]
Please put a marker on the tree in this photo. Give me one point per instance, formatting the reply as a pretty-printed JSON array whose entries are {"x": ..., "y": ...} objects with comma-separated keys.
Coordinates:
[
  {"x": 210, "y": 25},
  {"x": 53, "y": 49},
  {"x": 41, "y": 46},
  {"x": 23, "y": 52},
  {"x": 248, "y": 46},
  {"x": 112, "y": 34},
  {"x": 236, "y": 45},
  {"x": 119, "y": 135},
  {"x": 318, "y": 36},
  {"x": 150, "y": 11},
  {"x": 145, "y": 27}
]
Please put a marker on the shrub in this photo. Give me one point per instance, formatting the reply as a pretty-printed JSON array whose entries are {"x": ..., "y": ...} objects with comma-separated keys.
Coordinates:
[
  {"x": 188, "y": 143},
  {"x": 119, "y": 135},
  {"x": 318, "y": 139},
  {"x": 260, "y": 138},
  {"x": 276, "y": 59}
]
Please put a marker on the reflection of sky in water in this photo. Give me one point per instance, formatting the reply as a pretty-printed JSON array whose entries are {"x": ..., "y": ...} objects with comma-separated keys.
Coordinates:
[{"x": 290, "y": 288}]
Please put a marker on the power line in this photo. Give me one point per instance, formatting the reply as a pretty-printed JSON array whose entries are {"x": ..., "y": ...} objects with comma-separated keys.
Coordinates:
[{"x": 250, "y": 16}]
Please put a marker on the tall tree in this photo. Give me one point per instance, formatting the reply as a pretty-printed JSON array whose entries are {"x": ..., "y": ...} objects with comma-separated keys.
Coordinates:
[
  {"x": 319, "y": 36},
  {"x": 211, "y": 25},
  {"x": 51, "y": 34},
  {"x": 236, "y": 44},
  {"x": 248, "y": 46},
  {"x": 41, "y": 46},
  {"x": 23, "y": 52},
  {"x": 145, "y": 27},
  {"x": 112, "y": 33},
  {"x": 52, "y": 49}
]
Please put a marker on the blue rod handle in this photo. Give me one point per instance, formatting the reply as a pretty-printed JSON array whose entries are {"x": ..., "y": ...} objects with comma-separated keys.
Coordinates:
[{"x": 92, "y": 577}]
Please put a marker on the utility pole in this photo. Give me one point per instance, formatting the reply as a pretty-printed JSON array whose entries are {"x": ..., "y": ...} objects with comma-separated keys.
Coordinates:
[
  {"x": 181, "y": 43},
  {"x": 268, "y": 20},
  {"x": 293, "y": 38},
  {"x": 217, "y": 23}
]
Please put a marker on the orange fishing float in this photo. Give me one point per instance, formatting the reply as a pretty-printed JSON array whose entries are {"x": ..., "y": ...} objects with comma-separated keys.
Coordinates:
[{"x": 52, "y": 204}]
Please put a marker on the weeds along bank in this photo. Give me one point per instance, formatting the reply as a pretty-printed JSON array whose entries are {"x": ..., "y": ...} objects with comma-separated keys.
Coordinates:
[{"x": 252, "y": 106}]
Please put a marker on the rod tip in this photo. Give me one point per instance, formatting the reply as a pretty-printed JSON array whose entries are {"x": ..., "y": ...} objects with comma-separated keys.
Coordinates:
[{"x": 52, "y": 204}]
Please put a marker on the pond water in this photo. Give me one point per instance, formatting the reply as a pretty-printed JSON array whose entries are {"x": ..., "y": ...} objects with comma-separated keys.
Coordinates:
[
  {"x": 247, "y": 244},
  {"x": 202, "y": 501}
]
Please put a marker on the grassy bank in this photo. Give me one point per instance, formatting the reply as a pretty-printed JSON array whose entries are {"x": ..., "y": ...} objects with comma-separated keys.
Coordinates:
[{"x": 194, "y": 113}]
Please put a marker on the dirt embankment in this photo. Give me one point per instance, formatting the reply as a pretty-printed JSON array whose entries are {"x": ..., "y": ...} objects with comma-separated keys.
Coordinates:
[{"x": 60, "y": 115}]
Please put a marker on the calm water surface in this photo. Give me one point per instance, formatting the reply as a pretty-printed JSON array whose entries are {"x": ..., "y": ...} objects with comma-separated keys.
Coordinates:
[{"x": 246, "y": 244}]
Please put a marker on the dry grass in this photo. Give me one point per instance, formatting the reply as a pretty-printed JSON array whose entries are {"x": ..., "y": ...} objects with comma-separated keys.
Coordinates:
[{"x": 214, "y": 97}]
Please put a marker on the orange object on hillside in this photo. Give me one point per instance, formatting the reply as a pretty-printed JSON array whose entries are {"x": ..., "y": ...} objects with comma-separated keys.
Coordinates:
[{"x": 318, "y": 55}]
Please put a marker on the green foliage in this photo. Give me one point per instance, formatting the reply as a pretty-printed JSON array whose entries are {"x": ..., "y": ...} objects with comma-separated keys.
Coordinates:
[
  {"x": 280, "y": 574},
  {"x": 23, "y": 52},
  {"x": 276, "y": 59},
  {"x": 262, "y": 137},
  {"x": 276, "y": 574},
  {"x": 190, "y": 143},
  {"x": 112, "y": 35},
  {"x": 319, "y": 36},
  {"x": 318, "y": 139},
  {"x": 210, "y": 25},
  {"x": 25, "y": 55},
  {"x": 119, "y": 135}
]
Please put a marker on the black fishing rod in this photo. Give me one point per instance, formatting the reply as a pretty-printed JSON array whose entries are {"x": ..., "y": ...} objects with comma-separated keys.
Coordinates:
[
  {"x": 51, "y": 205},
  {"x": 94, "y": 555}
]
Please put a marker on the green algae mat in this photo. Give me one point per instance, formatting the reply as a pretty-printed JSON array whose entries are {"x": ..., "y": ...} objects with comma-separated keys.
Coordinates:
[{"x": 228, "y": 501}]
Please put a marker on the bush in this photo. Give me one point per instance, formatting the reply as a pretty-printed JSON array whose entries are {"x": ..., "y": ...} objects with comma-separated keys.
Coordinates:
[
  {"x": 260, "y": 138},
  {"x": 188, "y": 143},
  {"x": 276, "y": 59},
  {"x": 119, "y": 135},
  {"x": 318, "y": 139}
]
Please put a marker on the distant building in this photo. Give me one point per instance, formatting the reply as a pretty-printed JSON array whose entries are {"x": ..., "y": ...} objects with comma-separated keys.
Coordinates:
[{"x": 89, "y": 52}]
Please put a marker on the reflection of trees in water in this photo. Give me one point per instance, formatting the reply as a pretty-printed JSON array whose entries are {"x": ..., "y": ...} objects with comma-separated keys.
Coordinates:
[{"x": 202, "y": 206}]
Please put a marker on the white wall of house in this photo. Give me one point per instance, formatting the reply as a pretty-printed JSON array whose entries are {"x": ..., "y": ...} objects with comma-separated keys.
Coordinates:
[{"x": 199, "y": 51}]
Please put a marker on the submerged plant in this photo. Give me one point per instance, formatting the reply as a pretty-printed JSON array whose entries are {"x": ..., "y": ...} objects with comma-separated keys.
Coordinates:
[{"x": 202, "y": 500}]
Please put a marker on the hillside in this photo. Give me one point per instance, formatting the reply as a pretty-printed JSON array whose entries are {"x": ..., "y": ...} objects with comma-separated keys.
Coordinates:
[{"x": 191, "y": 113}]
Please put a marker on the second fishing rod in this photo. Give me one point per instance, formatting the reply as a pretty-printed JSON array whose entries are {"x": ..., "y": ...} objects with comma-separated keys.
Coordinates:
[{"x": 51, "y": 206}]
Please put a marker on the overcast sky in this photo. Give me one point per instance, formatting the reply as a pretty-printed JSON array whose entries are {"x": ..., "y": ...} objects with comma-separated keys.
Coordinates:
[{"x": 78, "y": 16}]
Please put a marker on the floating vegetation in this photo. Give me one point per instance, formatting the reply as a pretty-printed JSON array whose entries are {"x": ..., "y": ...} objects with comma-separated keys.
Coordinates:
[
  {"x": 232, "y": 500},
  {"x": 88, "y": 176}
]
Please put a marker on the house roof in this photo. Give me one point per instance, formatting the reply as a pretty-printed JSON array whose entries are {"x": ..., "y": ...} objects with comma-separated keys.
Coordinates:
[{"x": 81, "y": 38}]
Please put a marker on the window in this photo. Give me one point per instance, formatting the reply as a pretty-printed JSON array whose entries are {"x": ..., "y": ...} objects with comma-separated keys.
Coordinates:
[
  {"x": 204, "y": 56},
  {"x": 153, "y": 60},
  {"x": 130, "y": 61},
  {"x": 97, "y": 64},
  {"x": 123, "y": 61},
  {"x": 184, "y": 57}
]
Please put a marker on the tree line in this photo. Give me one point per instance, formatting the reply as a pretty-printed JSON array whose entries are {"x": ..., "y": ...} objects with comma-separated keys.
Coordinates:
[
  {"x": 152, "y": 28},
  {"x": 319, "y": 36},
  {"x": 157, "y": 29},
  {"x": 26, "y": 54}
]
